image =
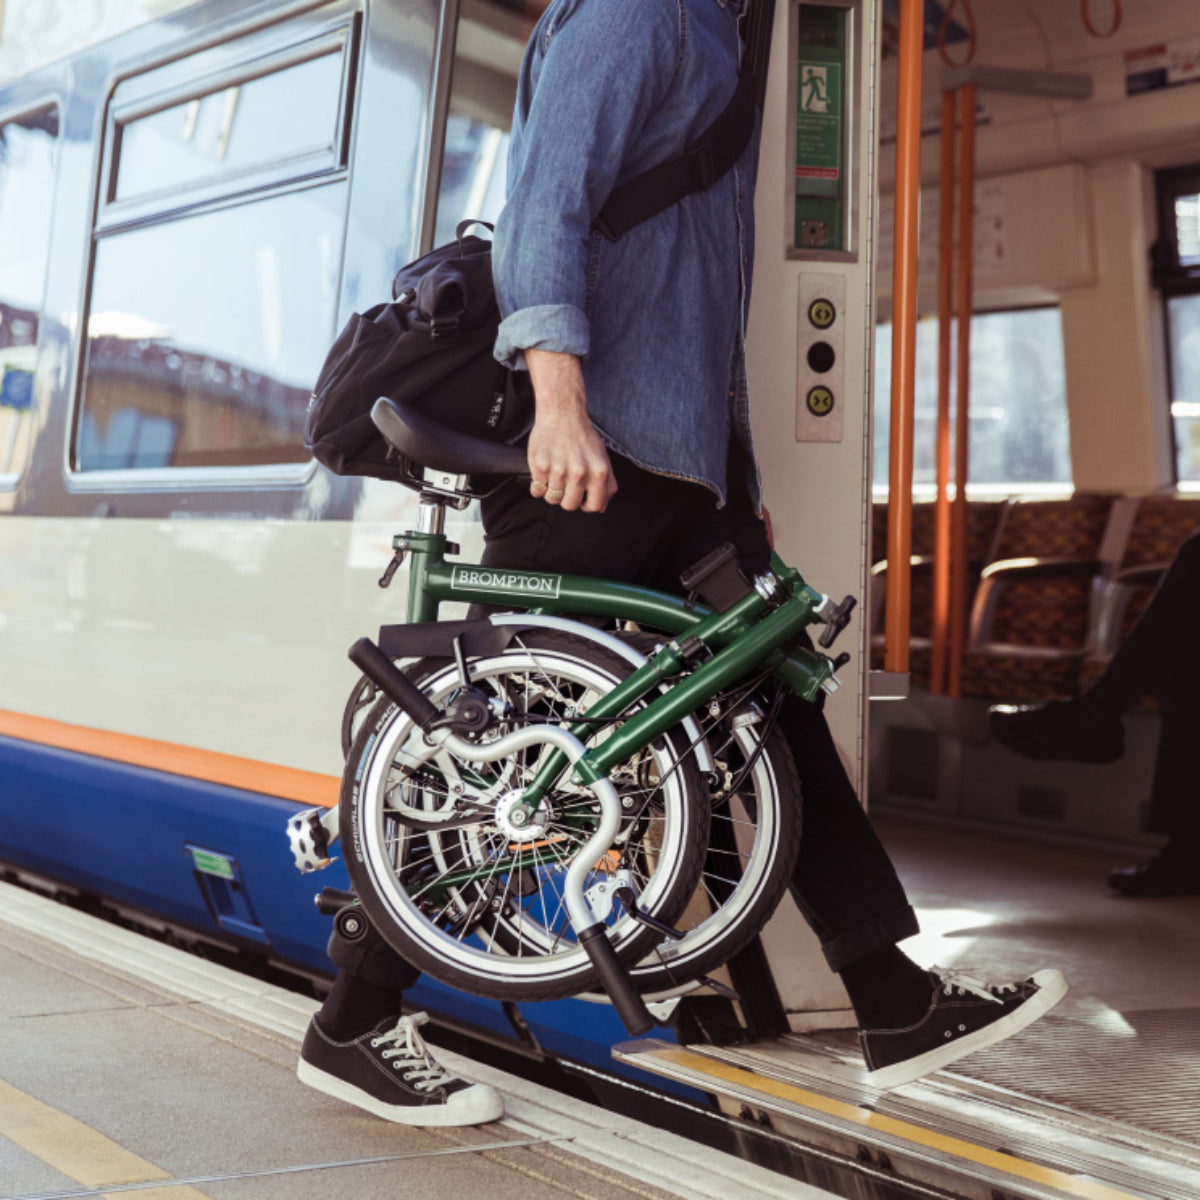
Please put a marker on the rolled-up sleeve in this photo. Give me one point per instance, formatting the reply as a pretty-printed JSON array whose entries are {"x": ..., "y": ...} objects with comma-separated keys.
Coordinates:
[{"x": 606, "y": 66}]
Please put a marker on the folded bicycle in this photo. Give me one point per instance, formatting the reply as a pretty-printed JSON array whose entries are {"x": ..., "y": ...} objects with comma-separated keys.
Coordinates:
[{"x": 585, "y": 791}]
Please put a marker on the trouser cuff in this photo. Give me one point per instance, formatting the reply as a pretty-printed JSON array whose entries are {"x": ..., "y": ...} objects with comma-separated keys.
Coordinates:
[
  {"x": 372, "y": 959},
  {"x": 872, "y": 934}
]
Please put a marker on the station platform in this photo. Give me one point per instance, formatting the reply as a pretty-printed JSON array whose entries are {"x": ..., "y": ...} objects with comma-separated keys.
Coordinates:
[
  {"x": 127, "y": 1066},
  {"x": 130, "y": 1068}
]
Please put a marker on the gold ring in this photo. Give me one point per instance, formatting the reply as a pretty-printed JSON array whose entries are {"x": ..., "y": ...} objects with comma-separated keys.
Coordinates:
[
  {"x": 540, "y": 483},
  {"x": 555, "y": 494}
]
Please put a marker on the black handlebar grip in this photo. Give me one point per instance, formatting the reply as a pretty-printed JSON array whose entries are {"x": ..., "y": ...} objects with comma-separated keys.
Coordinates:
[
  {"x": 394, "y": 684},
  {"x": 330, "y": 901},
  {"x": 615, "y": 981}
]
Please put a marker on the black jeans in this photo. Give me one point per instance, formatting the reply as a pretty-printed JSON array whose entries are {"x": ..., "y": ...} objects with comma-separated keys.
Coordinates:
[
  {"x": 653, "y": 529},
  {"x": 1161, "y": 658}
]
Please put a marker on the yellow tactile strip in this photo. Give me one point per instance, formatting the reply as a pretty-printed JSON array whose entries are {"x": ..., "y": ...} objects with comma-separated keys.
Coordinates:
[
  {"x": 78, "y": 1151},
  {"x": 996, "y": 1160}
]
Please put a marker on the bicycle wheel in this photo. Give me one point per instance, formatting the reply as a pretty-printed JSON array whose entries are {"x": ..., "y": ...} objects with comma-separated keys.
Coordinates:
[
  {"x": 461, "y": 894},
  {"x": 754, "y": 836}
]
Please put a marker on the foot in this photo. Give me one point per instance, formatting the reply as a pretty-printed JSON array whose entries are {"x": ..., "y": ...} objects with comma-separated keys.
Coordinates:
[
  {"x": 389, "y": 1072},
  {"x": 964, "y": 1015},
  {"x": 1171, "y": 872},
  {"x": 1060, "y": 730}
]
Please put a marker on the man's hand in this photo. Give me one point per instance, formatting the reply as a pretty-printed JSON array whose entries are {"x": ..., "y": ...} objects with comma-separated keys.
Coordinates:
[{"x": 567, "y": 459}]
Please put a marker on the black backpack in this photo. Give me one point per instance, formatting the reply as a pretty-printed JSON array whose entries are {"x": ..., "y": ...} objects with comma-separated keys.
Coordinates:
[{"x": 431, "y": 347}]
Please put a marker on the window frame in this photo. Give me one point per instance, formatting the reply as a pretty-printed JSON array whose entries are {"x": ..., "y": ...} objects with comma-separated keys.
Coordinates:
[
  {"x": 1173, "y": 280},
  {"x": 1171, "y": 276},
  {"x": 171, "y": 80},
  {"x": 12, "y": 473}
]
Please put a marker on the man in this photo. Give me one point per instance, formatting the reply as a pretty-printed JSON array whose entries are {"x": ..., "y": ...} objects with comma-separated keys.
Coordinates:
[
  {"x": 1160, "y": 658},
  {"x": 641, "y": 455}
]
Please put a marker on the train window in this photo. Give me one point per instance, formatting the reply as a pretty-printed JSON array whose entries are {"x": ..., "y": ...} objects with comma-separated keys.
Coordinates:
[
  {"x": 206, "y": 333},
  {"x": 1019, "y": 438},
  {"x": 27, "y": 153},
  {"x": 488, "y": 47},
  {"x": 287, "y": 114},
  {"x": 216, "y": 269},
  {"x": 1183, "y": 346},
  {"x": 1177, "y": 273}
]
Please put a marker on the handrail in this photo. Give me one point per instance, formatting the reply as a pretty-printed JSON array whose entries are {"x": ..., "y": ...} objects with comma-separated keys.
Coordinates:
[
  {"x": 941, "y": 528},
  {"x": 904, "y": 333},
  {"x": 964, "y": 290}
]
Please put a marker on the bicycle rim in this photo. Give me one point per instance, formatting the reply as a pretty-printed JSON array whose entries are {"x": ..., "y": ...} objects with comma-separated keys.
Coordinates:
[
  {"x": 476, "y": 905},
  {"x": 753, "y": 840}
]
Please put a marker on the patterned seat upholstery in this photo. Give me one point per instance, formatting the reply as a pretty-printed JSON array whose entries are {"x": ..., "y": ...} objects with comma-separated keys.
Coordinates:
[
  {"x": 1030, "y": 622},
  {"x": 983, "y": 516}
]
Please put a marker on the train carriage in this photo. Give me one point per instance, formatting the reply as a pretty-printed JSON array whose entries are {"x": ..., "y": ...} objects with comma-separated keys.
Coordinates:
[{"x": 195, "y": 197}]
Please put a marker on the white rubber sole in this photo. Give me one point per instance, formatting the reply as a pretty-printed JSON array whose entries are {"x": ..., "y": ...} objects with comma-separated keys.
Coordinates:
[
  {"x": 1052, "y": 987},
  {"x": 475, "y": 1105}
]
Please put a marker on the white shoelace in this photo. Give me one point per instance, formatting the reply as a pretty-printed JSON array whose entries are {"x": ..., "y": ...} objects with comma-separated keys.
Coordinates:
[
  {"x": 971, "y": 984},
  {"x": 422, "y": 1069}
]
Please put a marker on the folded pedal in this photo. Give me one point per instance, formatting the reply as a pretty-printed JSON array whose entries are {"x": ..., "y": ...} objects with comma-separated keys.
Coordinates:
[{"x": 310, "y": 834}]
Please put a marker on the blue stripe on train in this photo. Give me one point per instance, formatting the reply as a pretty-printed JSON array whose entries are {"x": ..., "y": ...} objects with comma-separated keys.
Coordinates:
[{"x": 124, "y": 832}]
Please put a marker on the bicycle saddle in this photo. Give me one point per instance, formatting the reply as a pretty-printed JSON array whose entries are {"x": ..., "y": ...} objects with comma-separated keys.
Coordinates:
[{"x": 428, "y": 443}]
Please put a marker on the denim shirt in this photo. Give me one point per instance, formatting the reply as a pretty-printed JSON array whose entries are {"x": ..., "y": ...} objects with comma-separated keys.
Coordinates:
[{"x": 607, "y": 89}]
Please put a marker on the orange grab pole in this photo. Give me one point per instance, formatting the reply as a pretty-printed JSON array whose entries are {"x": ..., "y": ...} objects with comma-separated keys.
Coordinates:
[
  {"x": 941, "y": 529},
  {"x": 904, "y": 334},
  {"x": 965, "y": 281}
]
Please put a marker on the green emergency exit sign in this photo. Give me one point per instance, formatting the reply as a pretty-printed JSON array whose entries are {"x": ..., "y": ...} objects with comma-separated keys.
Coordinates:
[{"x": 820, "y": 127}]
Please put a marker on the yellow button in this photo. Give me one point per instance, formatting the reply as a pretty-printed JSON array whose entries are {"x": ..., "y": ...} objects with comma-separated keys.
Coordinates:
[
  {"x": 819, "y": 401},
  {"x": 822, "y": 313}
]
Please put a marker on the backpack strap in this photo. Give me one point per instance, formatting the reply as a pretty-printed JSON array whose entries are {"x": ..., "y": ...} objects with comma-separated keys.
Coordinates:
[{"x": 712, "y": 154}]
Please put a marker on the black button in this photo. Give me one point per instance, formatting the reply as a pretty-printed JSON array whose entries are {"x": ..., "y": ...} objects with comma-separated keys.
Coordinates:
[{"x": 821, "y": 357}]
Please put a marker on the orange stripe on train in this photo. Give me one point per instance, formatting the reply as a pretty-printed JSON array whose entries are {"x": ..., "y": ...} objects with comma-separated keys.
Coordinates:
[{"x": 269, "y": 779}]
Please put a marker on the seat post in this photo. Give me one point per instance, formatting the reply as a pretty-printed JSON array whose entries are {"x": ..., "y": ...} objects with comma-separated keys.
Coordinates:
[{"x": 431, "y": 518}]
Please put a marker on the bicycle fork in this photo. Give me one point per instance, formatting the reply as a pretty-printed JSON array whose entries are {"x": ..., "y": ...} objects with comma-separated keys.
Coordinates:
[{"x": 591, "y": 932}]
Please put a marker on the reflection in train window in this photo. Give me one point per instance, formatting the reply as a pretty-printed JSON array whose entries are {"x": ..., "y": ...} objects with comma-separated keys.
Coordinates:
[
  {"x": 1019, "y": 430},
  {"x": 487, "y": 57},
  {"x": 1183, "y": 325},
  {"x": 1177, "y": 273},
  {"x": 206, "y": 333},
  {"x": 284, "y": 115},
  {"x": 1187, "y": 229},
  {"x": 27, "y": 149}
]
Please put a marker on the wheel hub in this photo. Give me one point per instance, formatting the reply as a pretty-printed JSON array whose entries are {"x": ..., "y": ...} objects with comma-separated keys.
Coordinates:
[{"x": 532, "y": 829}]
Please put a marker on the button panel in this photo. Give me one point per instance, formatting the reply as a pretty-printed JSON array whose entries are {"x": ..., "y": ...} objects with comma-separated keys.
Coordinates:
[{"x": 820, "y": 357}]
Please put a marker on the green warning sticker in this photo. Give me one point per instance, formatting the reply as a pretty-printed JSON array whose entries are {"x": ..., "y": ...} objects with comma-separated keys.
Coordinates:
[
  {"x": 208, "y": 863},
  {"x": 819, "y": 121}
]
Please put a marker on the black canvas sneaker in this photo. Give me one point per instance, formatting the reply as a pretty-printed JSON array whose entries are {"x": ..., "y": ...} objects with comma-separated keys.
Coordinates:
[
  {"x": 1059, "y": 731},
  {"x": 966, "y": 1014},
  {"x": 390, "y": 1072}
]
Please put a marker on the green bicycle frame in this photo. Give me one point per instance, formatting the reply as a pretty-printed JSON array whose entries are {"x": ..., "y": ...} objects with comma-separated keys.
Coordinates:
[{"x": 741, "y": 638}]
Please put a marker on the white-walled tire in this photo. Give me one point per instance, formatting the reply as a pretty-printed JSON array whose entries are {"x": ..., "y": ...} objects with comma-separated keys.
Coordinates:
[{"x": 473, "y": 906}]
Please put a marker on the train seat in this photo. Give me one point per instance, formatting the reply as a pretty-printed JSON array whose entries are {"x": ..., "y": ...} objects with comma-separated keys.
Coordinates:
[
  {"x": 1030, "y": 625},
  {"x": 983, "y": 519},
  {"x": 1160, "y": 526}
]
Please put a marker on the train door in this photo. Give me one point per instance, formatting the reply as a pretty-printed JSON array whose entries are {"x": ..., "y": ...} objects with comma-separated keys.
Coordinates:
[{"x": 809, "y": 346}]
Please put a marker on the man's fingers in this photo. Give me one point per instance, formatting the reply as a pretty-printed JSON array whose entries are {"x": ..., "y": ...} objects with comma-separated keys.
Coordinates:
[
  {"x": 574, "y": 488},
  {"x": 600, "y": 489}
]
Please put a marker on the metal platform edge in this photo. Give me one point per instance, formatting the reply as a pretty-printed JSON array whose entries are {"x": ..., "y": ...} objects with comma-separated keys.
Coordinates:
[
  {"x": 971, "y": 1140},
  {"x": 643, "y": 1153}
]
